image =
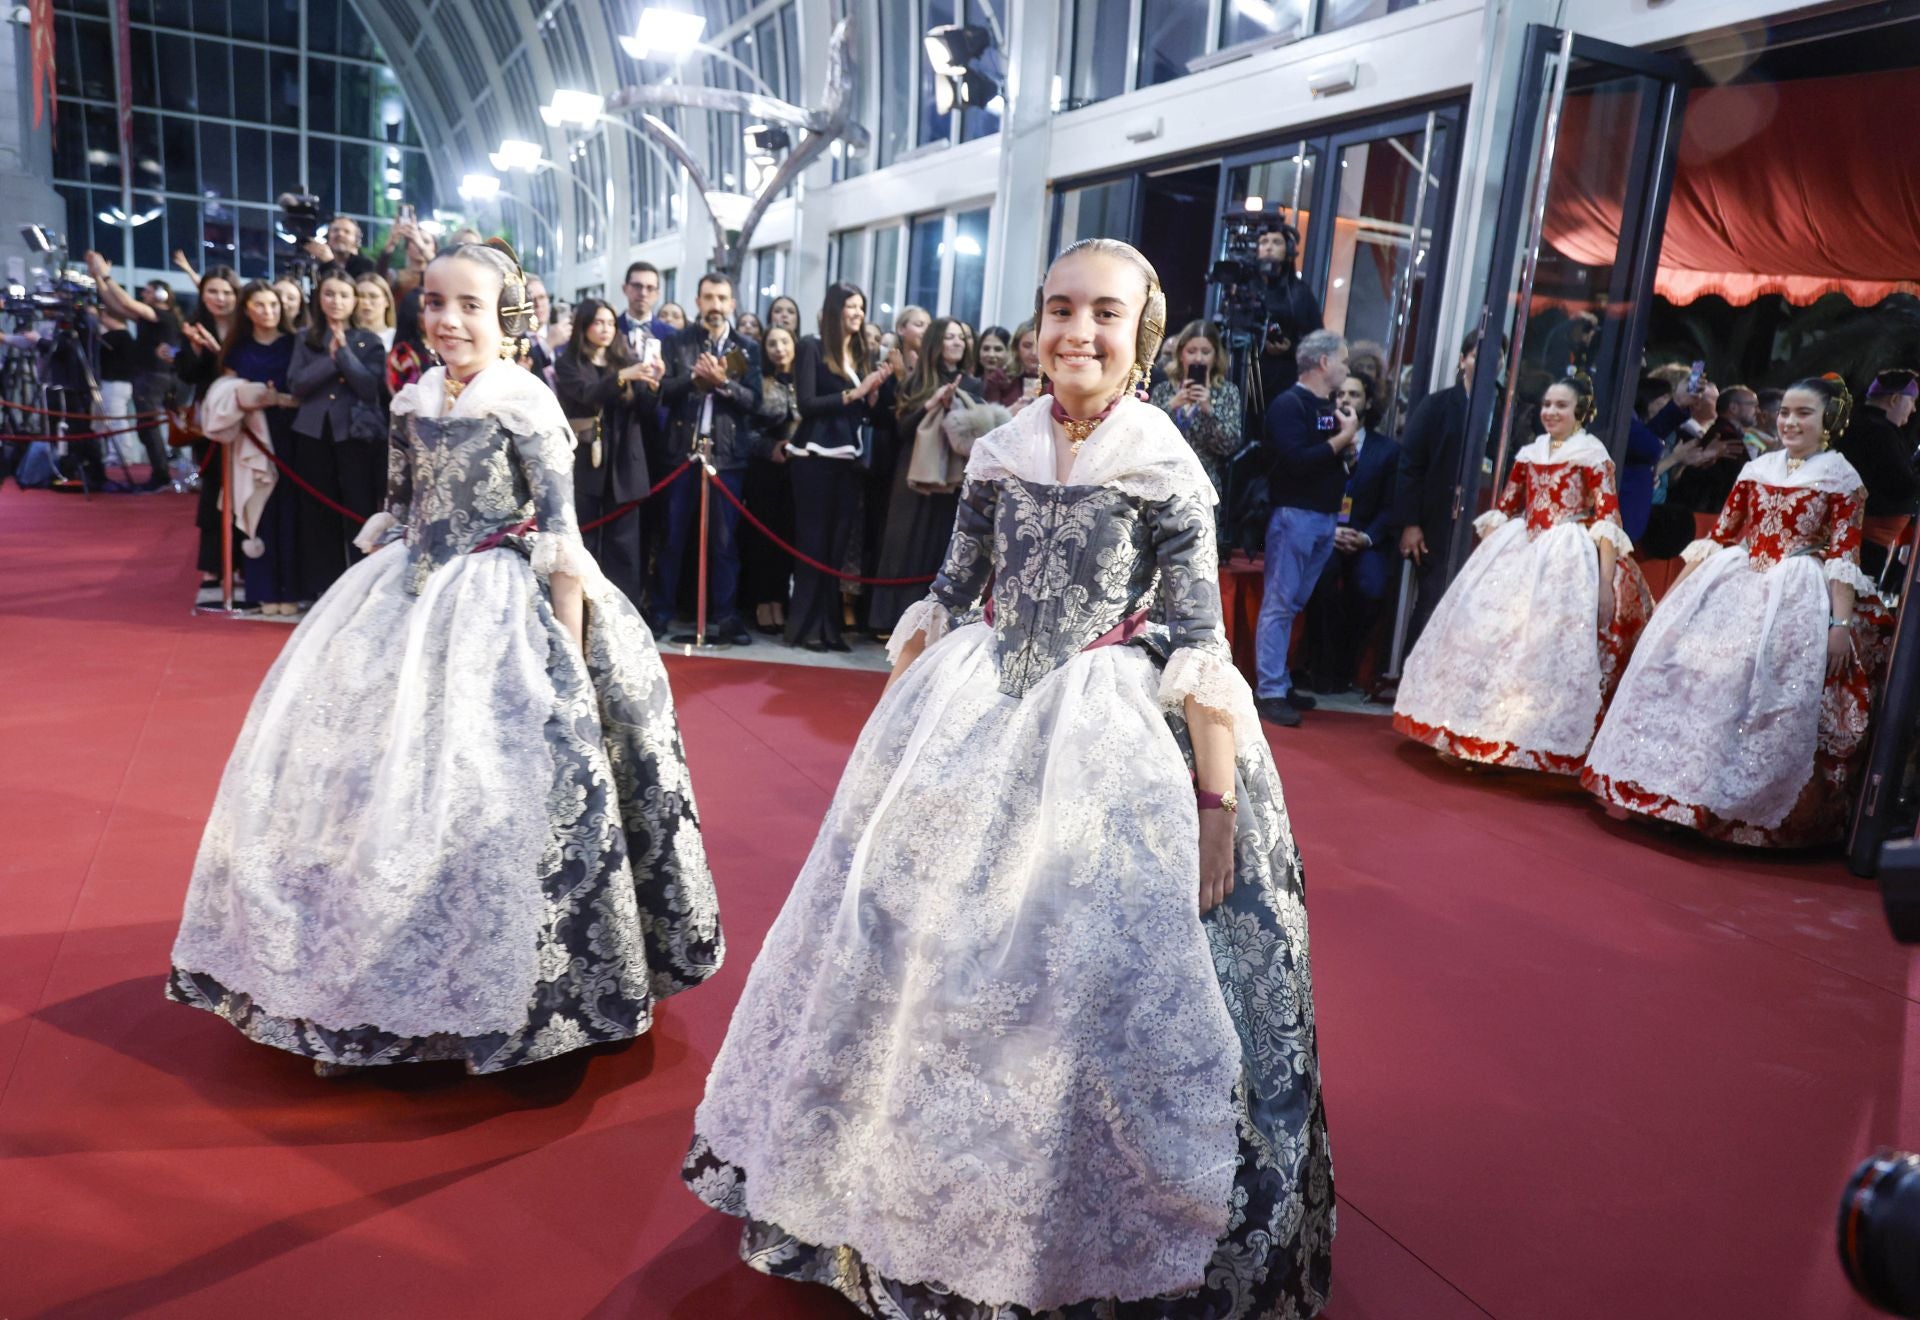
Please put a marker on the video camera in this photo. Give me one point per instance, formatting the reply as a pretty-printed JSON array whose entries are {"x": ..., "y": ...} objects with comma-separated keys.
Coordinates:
[
  {"x": 1253, "y": 291},
  {"x": 65, "y": 297}
]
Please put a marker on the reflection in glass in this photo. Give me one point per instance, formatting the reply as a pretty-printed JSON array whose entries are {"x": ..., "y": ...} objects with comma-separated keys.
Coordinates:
[
  {"x": 1171, "y": 33},
  {"x": 1381, "y": 255},
  {"x": 1253, "y": 20},
  {"x": 1336, "y": 14},
  {"x": 883, "y": 295},
  {"x": 1269, "y": 194},
  {"x": 969, "y": 264},
  {"x": 1100, "y": 210},
  {"x": 923, "y": 261},
  {"x": 1096, "y": 50}
]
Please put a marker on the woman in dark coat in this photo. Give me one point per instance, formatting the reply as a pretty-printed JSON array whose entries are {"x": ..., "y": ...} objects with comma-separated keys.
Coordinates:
[
  {"x": 606, "y": 394},
  {"x": 339, "y": 440},
  {"x": 836, "y": 406},
  {"x": 766, "y": 571},
  {"x": 196, "y": 364},
  {"x": 920, "y": 525}
]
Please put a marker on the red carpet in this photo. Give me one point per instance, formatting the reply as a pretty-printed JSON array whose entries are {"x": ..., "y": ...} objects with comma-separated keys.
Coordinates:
[{"x": 1575, "y": 1070}]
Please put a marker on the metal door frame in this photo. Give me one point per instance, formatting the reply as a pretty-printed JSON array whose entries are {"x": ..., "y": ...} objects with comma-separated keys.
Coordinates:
[{"x": 1529, "y": 173}]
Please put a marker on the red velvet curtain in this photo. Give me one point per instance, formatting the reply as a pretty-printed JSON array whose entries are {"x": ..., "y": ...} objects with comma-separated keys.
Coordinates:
[{"x": 1798, "y": 188}]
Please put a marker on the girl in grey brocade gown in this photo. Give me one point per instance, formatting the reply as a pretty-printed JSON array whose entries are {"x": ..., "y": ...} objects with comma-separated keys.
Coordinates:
[
  {"x": 1034, "y": 1033},
  {"x": 458, "y": 822}
]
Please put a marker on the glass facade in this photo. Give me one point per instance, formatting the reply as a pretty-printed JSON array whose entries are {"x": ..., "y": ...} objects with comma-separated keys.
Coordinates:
[{"x": 228, "y": 112}]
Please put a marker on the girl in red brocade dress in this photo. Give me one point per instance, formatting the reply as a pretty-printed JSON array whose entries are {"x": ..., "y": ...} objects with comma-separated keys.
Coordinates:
[
  {"x": 1517, "y": 662},
  {"x": 1745, "y": 708}
]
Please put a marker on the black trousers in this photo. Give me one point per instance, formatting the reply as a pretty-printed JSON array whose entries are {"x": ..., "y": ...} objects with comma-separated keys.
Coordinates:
[{"x": 825, "y": 491}]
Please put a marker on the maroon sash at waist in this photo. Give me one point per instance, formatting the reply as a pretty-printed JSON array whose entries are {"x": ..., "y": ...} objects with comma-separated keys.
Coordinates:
[
  {"x": 493, "y": 539},
  {"x": 1121, "y": 633}
]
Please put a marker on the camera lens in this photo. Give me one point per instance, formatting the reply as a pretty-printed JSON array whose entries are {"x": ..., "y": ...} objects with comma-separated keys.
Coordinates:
[{"x": 1880, "y": 1232}]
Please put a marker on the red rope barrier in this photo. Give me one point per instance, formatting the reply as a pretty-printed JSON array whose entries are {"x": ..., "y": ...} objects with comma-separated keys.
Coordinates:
[
  {"x": 19, "y": 438},
  {"x": 303, "y": 483},
  {"x": 80, "y": 417},
  {"x": 631, "y": 505},
  {"x": 809, "y": 560}
]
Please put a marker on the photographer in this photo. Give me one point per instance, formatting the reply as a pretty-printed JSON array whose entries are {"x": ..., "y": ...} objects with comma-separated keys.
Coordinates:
[
  {"x": 1310, "y": 442},
  {"x": 139, "y": 350},
  {"x": 342, "y": 247},
  {"x": 1289, "y": 311}
]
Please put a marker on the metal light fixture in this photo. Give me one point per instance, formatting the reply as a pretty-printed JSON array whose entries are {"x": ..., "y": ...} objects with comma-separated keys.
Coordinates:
[
  {"x": 515, "y": 154},
  {"x": 480, "y": 187},
  {"x": 768, "y": 138},
  {"x": 954, "y": 47},
  {"x": 574, "y": 107},
  {"x": 967, "y": 91},
  {"x": 667, "y": 32}
]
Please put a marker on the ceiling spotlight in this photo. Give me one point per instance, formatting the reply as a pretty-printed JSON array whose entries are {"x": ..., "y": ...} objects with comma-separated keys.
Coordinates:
[
  {"x": 517, "y": 155},
  {"x": 480, "y": 187},
  {"x": 966, "y": 90},
  {"x": 952, "y": 48},
  {"x": 573, "y": 107},
  {"x": 768, "y": 138},
  {"x": 667, "y": 32}
]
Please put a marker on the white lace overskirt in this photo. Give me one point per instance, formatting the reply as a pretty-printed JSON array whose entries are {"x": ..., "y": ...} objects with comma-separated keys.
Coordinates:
[
  {"x": 1720, "y": 707},
  {"x": 1512, "y": 652},
  {"x": 984, "y": 1043},
  {"x": 373, "y": 854}
]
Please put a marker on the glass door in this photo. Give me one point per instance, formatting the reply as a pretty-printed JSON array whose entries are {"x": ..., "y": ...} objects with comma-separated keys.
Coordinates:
[
  {"x": 1576, "y": 243},
  {"x": 1261, "y": 260},
  {"x": 1389, "y": 196}
]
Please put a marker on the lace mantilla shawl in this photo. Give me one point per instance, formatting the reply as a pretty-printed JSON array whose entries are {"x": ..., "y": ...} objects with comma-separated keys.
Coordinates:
[
  {"x": 1137, "y": 449},
  {"x": 523, "y": 404},
  {"x": 1826, "y": 471}
]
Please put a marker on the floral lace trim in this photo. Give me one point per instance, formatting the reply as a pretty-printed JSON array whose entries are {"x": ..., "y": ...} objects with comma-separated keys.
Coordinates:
[
  {"x": 1605, "y": 532},
  {"x": 1704, "y": 548},
  {"x": 1489, "y": 520},
  {"x": 927, "y": 616},
  {"x": 1847, "y": 572},
  {"x": 553, "y": 552},
  {"x": 377, "y": 527},
  {"x": 1212, "y": 681}
]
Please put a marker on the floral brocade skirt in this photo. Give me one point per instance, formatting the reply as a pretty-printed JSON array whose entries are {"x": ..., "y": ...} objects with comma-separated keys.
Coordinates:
[
  {"x": 447, "y": 833},
  {"x": 992, "y": 1061}
]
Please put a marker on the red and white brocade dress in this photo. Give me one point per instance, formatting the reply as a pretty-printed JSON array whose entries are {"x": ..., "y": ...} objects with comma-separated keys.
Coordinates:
[
  {"x": 1514, "y": 668},
  {"x": 1727, "y": 720}
]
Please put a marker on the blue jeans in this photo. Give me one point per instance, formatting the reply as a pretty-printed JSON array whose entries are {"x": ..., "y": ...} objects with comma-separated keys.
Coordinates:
[
  {"x": 723, "y": 557},
  {"x": 1298, "y": 544}
]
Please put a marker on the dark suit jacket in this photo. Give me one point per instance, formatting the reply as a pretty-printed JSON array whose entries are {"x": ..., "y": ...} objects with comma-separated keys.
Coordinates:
[
  {"x": 734, "y": 403},
  {"x": 329, "y": 384},
  {"x": 1883, "y": 456},
  {"x": 585, "y": 391},
  {"x": 1430, "y": 463},
  {"x": 1371, "y": 483}
]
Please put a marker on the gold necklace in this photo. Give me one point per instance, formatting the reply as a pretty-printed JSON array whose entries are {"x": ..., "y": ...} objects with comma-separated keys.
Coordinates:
[
  {"x": 453, "y": 386},
  {"x": 1078, "y": 431}
]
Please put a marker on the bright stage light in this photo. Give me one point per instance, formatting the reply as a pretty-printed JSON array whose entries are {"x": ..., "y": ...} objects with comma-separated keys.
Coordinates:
[
  {"x": 667, "y": 32},
  {"x": 573, "y": 107},
  {"x": 480, "y": 187},
  {"x": 517, "y": 155}
]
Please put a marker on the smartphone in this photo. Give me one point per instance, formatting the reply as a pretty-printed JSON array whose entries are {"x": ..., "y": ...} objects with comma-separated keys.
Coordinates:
[
  {"x": 650, "y": 350},
  {"x": 1197, "y": 373},
  {"x": 407, "y": 214},
  {"x": 736, "y": 364},
  {"x": 1698, "y": 378},
  {"x": 1029, "y": 387}
]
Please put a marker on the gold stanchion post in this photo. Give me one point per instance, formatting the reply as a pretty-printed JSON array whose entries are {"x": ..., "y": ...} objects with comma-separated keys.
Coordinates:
[{"x": 226, "y": 527}]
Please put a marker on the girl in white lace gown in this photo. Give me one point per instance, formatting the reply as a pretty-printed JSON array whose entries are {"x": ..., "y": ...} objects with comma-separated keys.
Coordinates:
[
  {"x": 458, "y": 822},
  {"x": 1520, "y": 656},
  {"x": 1034, "y": 1032},
  {"x": 1744, "y": 712}
]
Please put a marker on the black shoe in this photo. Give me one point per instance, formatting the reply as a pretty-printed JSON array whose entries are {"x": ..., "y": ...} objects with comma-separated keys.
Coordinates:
[
  {"x": 733, "y": 633},
  {"x": 817, "y": 647},
  {"x": 839, "y": 644},
  {"x": 1299, "y": 700},
  {"x": 1276, "y": 710}
]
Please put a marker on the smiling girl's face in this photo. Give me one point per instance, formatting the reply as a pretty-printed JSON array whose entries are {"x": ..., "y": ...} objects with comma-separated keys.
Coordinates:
[
  {"x": 953, "y": 346},
  {"x": 460, "y": 312},
  {"x": 1559, "y": 410},
  {"x": 1801, "y": 425},
  {"x": 1089, "y": 323}
]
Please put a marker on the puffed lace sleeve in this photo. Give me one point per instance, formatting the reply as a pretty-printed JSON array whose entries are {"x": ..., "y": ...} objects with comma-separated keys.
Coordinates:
[
  {"x": 545, "y": 455},
  {"x": 1606, "y": 526},
  {"x": 1511, "y": 504},
  {"x": 1728, "y": 528},
  {"x": 963, "y": 573},
  {"x": 1843, "y": 542},
  {"x": 1200, "y": 666},
  {"x": 388, "y": 523}
]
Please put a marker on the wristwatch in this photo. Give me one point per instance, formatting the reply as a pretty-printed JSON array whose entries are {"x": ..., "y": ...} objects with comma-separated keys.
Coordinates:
[{"x": 1216, "y": 801}]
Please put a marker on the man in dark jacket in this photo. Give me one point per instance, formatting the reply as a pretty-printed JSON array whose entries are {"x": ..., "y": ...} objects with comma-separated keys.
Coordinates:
[
  {"x": 1361, "y": 571},
  {"x": 1311, "y": 447},
  {"x": 1880, "y": 448},
  {"x": 711, "y": 390},
  {"x": 1428, "y": 476}
]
